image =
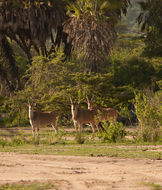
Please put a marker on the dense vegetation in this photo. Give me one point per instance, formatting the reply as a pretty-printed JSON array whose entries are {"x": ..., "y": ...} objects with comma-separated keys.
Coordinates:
[{"x": 51, "y": 50}]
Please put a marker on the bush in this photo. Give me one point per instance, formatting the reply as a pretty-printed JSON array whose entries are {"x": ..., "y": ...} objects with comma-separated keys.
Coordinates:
[
  {"x": 113, "y": 132},
  {"x": 4, "y": 142},
  {"x": 52, "y": 138},
  {"x": 149, "y": 114},
  {"x": 79, "y": 139},
  {"x": 18, "y": 141}
]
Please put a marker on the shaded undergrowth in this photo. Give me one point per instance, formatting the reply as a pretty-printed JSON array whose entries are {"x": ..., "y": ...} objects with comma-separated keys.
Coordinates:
[{"x": 65, "y": 143}]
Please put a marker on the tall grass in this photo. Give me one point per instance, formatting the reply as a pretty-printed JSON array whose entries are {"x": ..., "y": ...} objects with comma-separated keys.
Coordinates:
[{"x": 149, "y": 114}]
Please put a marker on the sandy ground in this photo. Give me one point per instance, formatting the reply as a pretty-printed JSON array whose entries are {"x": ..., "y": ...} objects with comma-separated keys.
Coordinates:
[{"x": 81, "y": 173}]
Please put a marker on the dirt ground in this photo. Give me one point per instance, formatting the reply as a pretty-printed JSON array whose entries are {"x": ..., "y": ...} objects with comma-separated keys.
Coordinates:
[{"x": 81, "y": 173}]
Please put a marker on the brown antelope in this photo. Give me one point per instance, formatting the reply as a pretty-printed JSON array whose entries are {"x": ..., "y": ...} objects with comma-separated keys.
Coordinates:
[
  {"x": 38, "y": 119},
  {"x": 82, "y": 116},
  {"x": 103, "y": 114}
]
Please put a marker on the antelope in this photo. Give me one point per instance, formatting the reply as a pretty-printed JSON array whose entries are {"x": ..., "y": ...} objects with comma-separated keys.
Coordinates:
[
  {"x": 103, "y": 114},
  {"x": 82, "y": 116},
  {"x": 38, "y": 119}
]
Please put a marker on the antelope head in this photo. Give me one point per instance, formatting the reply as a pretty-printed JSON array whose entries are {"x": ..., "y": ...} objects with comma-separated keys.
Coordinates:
[
  {"x": 90, "y": 102},
  {"x": 74, "y": 108}
]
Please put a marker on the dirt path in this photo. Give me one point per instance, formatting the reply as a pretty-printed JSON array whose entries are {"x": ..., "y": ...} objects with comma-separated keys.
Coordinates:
[{"x": 81, "y": 173}]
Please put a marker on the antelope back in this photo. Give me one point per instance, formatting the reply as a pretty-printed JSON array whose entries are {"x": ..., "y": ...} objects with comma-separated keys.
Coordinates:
[
  {"x": 44, "y": 118},
  {"x": 81, "y": 115},
  {"x": 103, "y": 113},
  {"x": 109, "y": 113},
  {"x": 86, "y": 116},
  {"x": 41, "y": 118}
]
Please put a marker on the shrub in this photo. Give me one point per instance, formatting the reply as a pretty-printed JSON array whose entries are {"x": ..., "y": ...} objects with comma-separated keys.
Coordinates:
[
  {"x": 149, "y": 114},
  {"x": 4, "y": 142},
  {"x": 18, "y": 140},
  {"x": 52, "y": 138},
  {"x": 113, "y": 132},
  {"x": 79, "y": 139}
]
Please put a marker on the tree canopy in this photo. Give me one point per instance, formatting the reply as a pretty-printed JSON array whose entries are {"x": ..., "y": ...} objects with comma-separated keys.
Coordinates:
[
  {"x": 150, "y": 20},
  {"x": 53, "y": 49},
  {"x": 30, "y": 23}
]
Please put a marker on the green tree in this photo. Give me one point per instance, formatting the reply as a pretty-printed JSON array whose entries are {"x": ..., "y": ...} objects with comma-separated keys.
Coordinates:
[
  {"x": 9, "y": 74},
  {"x": 151, "y": 23},
  {"x": 30, "y": 22}
]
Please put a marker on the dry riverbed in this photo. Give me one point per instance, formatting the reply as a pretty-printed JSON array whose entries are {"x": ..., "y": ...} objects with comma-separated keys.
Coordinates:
[{"x": 81, "y": 173}]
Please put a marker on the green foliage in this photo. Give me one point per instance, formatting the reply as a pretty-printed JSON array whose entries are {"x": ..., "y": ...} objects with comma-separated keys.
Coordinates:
[
  {"x": 16, "y": 110},
  {"x": 51, "y": 138},
  {"x": 153, "y": 185},
  {"x": 79, "y": 139},
  {"x": 125, "y": 112},
  {"x": 67, "y": 145},
  {"x": 134, "y": 73},
  {"x": 101, "y": 8},
  {"x": 16, "y": 141},
  {"x": 149, "y": 112},
  {"x": 49, "y": 76},
  {"x": 151, "y": 23},
  {"x": 128, "y": 22},
  {"x": 22, "y": 64},
  {"x": 19, "y": 139},
  {"x": 27, "y": 186},
  {"x": 51, "y": 80},
  {"x": 129, "y": 67},
  {"x": 115, "y": 132},
  {"x": 3, "y": 142}
]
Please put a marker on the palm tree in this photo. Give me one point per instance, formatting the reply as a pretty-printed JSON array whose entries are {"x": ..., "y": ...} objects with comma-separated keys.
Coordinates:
[
  {"x": 31, "y": 22},
  {"x": 151, "y": 23},
  {"x": 89, "y": 25},
  {"x": 91, "y": 29}
]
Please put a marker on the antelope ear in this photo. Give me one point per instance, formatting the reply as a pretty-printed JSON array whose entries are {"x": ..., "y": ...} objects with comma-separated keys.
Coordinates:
[
  {"x": 78, "y": 101},
  {"x": 26, "y": 104},
  {"x": 70, "y": 99},
  {"x": 29, "y": 102},
  {"x": 87, "y": 98},
  {"x": 92, "y": 99}
]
